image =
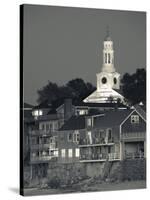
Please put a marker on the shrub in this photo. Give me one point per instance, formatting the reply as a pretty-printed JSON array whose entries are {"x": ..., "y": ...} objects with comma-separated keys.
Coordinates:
[{"x": 54, "y": 182}]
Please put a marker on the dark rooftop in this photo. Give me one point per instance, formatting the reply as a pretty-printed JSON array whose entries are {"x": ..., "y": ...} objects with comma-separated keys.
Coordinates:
[
  {"x": 107, "y": 119},
  {"x": 111, "y": 118},
  {"x": 26, "y": 105},
  {"x": 74, "y": 123}
]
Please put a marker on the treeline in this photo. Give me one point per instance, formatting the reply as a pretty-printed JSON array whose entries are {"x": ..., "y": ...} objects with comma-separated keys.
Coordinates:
[{"x": 133, "y": 89}]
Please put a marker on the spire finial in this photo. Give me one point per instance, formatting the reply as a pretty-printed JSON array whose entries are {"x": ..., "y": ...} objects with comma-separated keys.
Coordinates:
[{"x": 107, "y": 33}]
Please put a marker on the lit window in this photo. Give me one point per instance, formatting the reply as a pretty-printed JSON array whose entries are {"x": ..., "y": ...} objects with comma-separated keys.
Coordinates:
[
  {"x": 37, "y": 113},
  {"x": 82, "y": 112},
  {"x": 40, "y": 112},
  {"x": 89, "y": 122},
  {"x": 70, "y": 137},
  {"x": 63, "y": 153},
  {"x": 89, "y": 136},
  {"x": 134, "y": 119},
  {"x": 70, "y": 153},
  {"x": 77, "y": 152},
  {"x": 56, "y": 153}
]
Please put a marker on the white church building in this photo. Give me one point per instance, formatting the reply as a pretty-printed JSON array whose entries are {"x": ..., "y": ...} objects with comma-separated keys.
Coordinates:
[{"x": 108, "y": 80}]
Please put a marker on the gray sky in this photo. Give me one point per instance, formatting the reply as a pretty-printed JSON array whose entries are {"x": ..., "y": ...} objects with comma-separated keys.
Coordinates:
[{"x": 64, "y": 43}]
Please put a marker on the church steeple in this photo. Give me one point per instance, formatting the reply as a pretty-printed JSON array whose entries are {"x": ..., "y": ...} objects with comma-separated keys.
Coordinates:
[
  {"x": 108, "y": 80},
  {"x": 108, "y": 53}
]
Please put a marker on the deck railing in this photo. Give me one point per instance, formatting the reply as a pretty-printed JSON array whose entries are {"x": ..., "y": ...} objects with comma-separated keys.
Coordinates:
[
  {"x": 95, "y": 142},
  {"x": 42, "y": 132},
  {"x": 100, "y": 157},
  {"x": 134, "y": 155},
  {"x": 43, "y": 158},
  {"x": 133, "y": 135},
  {"x": 43, "y": 146}
]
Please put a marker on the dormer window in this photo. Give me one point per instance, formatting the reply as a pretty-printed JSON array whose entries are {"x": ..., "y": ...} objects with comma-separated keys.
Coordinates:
[{"x": 134, "y": 119}]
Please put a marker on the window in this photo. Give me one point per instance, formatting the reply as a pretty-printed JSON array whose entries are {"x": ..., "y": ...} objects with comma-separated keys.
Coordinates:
[
  {"x": 105, "y": 57},
  {"x": 109, "y": 134},
  {"x": 101, "y": 133},
  {"x": 77, "y": 152},
  {"x": 56, "y": 153},
  {"x": 63, "y": 153},
  {"x": 47, "y": 127},
  {"x": 134, "y": 119},
  {"x": 76, "y": 136},
  {"x": 109, "y": 58},
  {"x": 70, "y": 153},
  {"x": 37, "y": 113},
  {"x": 40, "y": 112},
  {"x": 50, "y": 126},
  {"x": 89, "y": 122},
  {"x": 89, "y": 134},
  {"x": 115, "y": 80},
  {"x": 82, "y": 112},
  {"x": 70, "y": 137}
]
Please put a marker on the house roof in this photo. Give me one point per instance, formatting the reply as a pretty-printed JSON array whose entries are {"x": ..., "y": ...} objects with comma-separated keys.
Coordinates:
[
  {"x": 141, "y": 110},
  {"x": 26, "y": 105},
  {"x": 111, "y": 118},
  {"x": 43, "y": 105},
  {"x": 47, "y": 117},
  {"x": 74, "y": 123},
  {"x": 96, "y": 105},
  {"x": 107, "y": 119}
]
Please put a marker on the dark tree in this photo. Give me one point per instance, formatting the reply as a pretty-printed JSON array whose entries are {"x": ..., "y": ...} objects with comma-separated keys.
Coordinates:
[
  {"x": 134, "y": 86},
  {"x": 80, "y": 88},
  {"x": 75, "y": 89}
]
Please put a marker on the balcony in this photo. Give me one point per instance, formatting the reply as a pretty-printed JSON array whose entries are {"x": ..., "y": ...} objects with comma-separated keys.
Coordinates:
[
  {"x": 51, "y": 146},
  {"x": 96, "y": 142},
  {"x": 38, "y": 132},
  {"x": 100, "y": 157},
  {"x": 133, "y": 136},
  {"x": 42, "y": 159},
  {"x": 134, "y": 155}
]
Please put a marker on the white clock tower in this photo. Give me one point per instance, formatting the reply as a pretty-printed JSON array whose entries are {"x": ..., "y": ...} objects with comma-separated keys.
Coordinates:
[{"x": 108, "y": 80}]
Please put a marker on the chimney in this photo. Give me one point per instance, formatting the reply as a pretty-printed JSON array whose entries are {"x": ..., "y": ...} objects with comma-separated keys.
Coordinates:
[{"x": 68, "y": 110}]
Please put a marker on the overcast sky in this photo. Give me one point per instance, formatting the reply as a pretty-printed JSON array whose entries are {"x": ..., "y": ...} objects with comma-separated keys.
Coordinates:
[{"x": 64, "y": 43}]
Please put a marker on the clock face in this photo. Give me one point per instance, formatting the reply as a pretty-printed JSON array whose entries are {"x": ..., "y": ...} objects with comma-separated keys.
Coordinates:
[
  {"x": 115, "y": 80},
  {"x": 104, "y": 80}
]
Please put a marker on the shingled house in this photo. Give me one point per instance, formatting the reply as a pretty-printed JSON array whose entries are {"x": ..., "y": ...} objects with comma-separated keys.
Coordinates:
[{"x": 111, "y": 136}]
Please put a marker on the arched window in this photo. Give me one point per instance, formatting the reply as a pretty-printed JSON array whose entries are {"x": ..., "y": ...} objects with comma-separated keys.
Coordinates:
[
  {"x": 105, "y": 57},
  {"x": 108, "y": 57}
]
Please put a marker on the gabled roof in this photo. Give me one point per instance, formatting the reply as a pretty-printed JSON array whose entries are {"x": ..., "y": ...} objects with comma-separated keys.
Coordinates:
[
  {"x": 140, "y": 110},
  {"x": 74, "y": 123},
  {"x": 111, "y": 118}
]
